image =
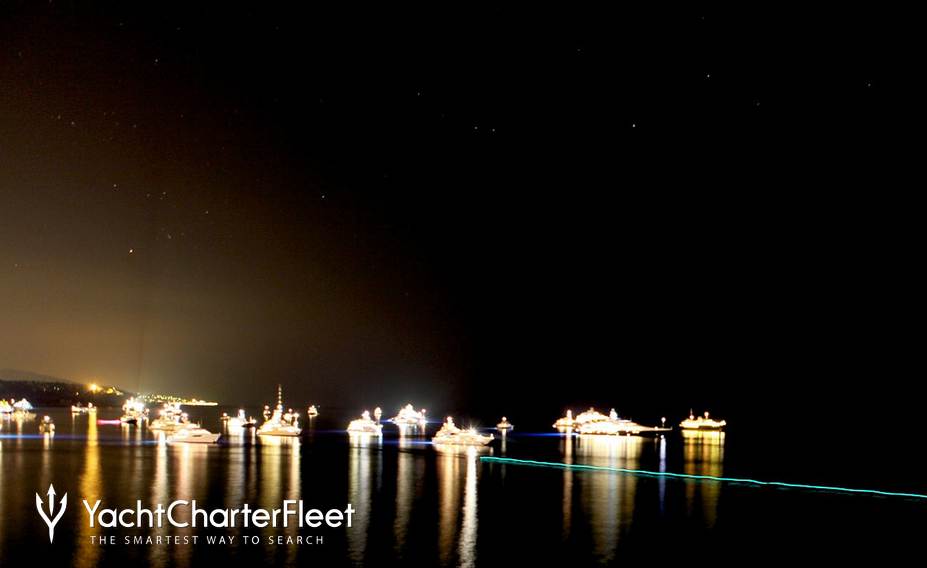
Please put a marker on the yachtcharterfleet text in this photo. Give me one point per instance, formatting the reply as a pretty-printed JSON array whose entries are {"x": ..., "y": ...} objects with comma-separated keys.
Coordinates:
[{"x": 182, "y": 513}]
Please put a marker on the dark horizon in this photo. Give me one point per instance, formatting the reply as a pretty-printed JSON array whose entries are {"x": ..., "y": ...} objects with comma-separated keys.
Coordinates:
[{"x": 480, "y": 209}]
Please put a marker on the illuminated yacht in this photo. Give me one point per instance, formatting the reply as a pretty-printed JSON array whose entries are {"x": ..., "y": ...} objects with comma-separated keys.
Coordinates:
[
  {"x": 23, "y": 405},
  {"x": 6, "y": 409},
  {"x": 312, "y": 412},
  {"x": 610, "y": 427},
  {"x": 408, "y": 416},
  {"x": 364, "y": 425},
  {"x": 593, "y": 415},
  {"x": 452, "y": 435},
  {"x": 569, "y": 423},
  {"x": 79, "y": 409},
  {"x": 194, "y": 435},
  {"x": 171, "y": 419},
  {"x": 504, "y": 425},
  {"x": 702, "y": 423},
  {"x": 168, "y": 416},
  {"x": 595, "y": 423},
  {"x": 281, "y": 423},
  {"x": 132, "y": 412},
  {"x": 241, "y": 420},
  {"x": 47, "y": 426}
]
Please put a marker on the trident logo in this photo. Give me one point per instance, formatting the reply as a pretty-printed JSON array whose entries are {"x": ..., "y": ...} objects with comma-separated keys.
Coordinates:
[{"x": 51, "y": 510}]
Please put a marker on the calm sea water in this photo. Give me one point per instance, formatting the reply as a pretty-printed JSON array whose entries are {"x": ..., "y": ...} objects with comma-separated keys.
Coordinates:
[{"x": 422, "y": 506}]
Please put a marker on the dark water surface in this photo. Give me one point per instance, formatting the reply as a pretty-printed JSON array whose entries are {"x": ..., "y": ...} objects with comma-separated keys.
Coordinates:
[{"x": 420, "y": 505}]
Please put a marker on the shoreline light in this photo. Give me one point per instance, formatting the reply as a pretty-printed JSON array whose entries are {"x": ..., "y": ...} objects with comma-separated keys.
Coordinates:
[{"x": 559, "y": 465}]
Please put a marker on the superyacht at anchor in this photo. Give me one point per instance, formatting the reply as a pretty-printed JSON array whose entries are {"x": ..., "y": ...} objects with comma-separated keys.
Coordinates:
[
  {"x": 408, "y": 417},
  {"x": 170, "y": 419},
  {"x": 280, "y": 423},
  {"x": 80, "y": 409},
  {"x": 133, "y": 411},
  {"x": 194, "y": 435},
  {"x": 569, "y": 424},
  {"x": 364, "y": 425},
  {"x": 702, "y": 423},
  {"x": 241, "y": 420},
  {"x": 452, "y": 435},
  {"x": 593, "y": 422}
]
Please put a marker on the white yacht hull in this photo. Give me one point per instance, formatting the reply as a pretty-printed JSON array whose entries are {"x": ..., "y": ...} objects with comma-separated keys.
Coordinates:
[
  {"x": 363, "y": 432},
  {"x": 463, "y": 442},
  {"x": 286, "y": 433},
  {"x": 202, "y": 439}
]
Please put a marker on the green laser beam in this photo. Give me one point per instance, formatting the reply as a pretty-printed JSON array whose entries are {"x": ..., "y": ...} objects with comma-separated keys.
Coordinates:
[{"x": 560, "y": 465}]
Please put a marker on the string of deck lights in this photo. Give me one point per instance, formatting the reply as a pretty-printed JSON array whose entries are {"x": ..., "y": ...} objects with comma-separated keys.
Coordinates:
[{"x": 560, "y": 465}]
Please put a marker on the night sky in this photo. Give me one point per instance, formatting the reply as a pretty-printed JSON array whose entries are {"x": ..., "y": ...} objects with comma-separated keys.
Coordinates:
[{"x": 471, "y": 207}]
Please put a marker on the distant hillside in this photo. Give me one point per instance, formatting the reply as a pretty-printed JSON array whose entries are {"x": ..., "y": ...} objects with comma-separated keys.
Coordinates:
[
  {"x": 16, "y": 375},
  {"x": 43, "y": 390}
]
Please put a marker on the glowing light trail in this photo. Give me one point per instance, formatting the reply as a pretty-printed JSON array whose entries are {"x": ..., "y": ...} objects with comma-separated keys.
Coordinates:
[{"x": 559, "y": 465}]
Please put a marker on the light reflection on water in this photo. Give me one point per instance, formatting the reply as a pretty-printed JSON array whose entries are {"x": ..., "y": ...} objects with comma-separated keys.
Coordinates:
[
  {"x": 467, "y": 548},
  {"x": 703, "y": 454},
  {"x": 662, "y": 481},
  {"x": 414, "y": 502},
  {"x": 609, "y": 499},
  {"x": 361, "y": 457},
  {"x": 280, "y": 478},
  {"x": 408, "y": 471},
  {"x": 159, "y": 494},
  {"x": 91, "y": 490},
  {"x": 457, "y": 465},
  {"x": 566, "y": 448},
  {"x": 2, "y": 483}
]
